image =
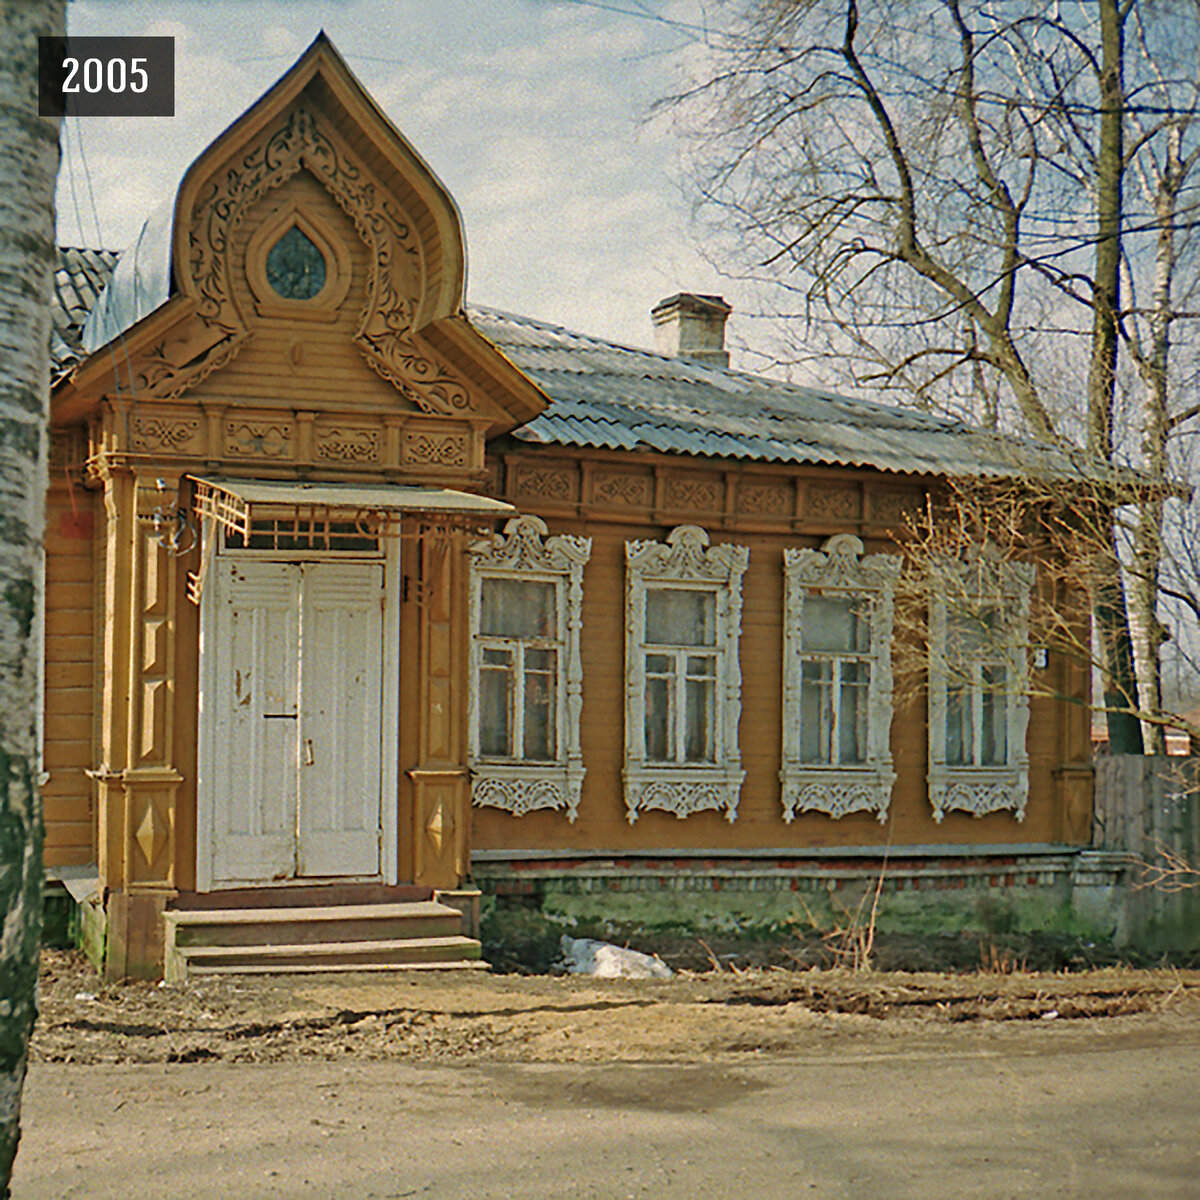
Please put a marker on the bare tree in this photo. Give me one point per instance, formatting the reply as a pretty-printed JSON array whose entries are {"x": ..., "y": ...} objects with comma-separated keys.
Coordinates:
[
  {"x": 28, "y": 165},
  {"x": 942, "y": 189}
]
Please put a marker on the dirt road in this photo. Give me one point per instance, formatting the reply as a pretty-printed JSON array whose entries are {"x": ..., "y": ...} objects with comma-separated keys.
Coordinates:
[
  {"x": 764, "y": 1085},
  {"x": 1039, "y": 1115}
]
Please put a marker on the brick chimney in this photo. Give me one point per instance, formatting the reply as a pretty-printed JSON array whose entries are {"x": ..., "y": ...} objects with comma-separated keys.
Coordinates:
[{"x": 691, "y": 326}]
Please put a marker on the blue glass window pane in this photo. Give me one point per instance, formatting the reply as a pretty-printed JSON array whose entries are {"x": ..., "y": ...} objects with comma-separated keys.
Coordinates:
[{"x": 295, "y": 267}]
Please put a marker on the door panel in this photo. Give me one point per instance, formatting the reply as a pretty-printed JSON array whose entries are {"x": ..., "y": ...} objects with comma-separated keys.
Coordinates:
[
  {"x": 254, "y": 723},
  {"x": 294, "y": 725},
  {"x": 341, "y": 698}
]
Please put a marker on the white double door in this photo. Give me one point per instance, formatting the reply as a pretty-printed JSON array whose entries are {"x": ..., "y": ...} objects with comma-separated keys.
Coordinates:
[{"x": 291, "y": 720}]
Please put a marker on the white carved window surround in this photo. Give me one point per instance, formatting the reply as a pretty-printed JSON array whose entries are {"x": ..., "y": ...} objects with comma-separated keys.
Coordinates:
[
  {"x": 979, "y": 685},
  {"x": 837, "y": 679},
  {"x": 683, "y": 680},
  {"x": 526, "y": 695}
]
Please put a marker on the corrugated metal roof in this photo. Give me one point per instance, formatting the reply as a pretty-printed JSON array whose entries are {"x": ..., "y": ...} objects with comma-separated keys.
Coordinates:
[
  {"x": 617, "y": 397},
  {"x": 613, "y": 397}
]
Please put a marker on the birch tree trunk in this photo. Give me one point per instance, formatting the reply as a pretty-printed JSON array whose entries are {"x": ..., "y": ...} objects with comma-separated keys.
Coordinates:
[
  {"x": 1112, "y": 620},
  {"x": 28, "y": 165}
]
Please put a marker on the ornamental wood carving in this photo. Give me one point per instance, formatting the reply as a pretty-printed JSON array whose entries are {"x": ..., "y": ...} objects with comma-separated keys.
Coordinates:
[
  {"x": 832, "y": 503},
  {"x": 436, "y": 449},
  {"x": 170, "y": 435},
  {"x": 548, "y": 483},
  {"x": 767, "y": 500},
  {"x": 259, "y": 439},
  {"x": 384, "y": 334},
  {"x": 348, "y": 445},
  {"x": 685, "y": 788},
  {"x": 623, "y": 488},
  {"x": 839, "y": 569},
  {"x": 699, "y": 495},
  {"x": 893, "y": 509},
  {"x": 525, "y": 550},
  {"x": 982, "y": 580}
]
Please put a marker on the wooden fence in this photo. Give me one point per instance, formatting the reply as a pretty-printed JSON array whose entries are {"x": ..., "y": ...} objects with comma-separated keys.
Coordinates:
[{"x": 1148, "y": 808}]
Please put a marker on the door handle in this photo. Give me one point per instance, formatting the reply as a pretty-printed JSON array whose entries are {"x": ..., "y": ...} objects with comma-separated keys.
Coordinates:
[{"x": 308, "y": 752}]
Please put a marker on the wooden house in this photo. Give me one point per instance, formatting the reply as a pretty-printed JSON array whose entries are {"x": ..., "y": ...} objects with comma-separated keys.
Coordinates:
[{"x": 357, "y": 598}]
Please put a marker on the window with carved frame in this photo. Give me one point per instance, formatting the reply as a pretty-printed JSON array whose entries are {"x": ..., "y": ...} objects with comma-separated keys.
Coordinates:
[
  {"x": 979, "y": 677},
  {"x": 682, "y": 674},
  {"x": 837, "y": 680},
  {"x": 526, "y": 695}
]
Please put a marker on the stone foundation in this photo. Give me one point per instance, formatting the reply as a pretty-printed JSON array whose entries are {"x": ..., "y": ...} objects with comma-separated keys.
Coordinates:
[{"x": 932, "y": 891}]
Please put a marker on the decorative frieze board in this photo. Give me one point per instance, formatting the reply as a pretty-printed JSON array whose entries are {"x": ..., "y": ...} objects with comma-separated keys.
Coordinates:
[
  {"x": 686, "y": 557},
  {"x": 833, "y": 501},
  {"x": 982, "y": 579},
  {"x": 661, "y": 492},
  {"x": 526, "y": 550},
  {"x": 839, "y": 569},
  {"x": 347, "y": 442},
  {"x": 229, "y": 432}
]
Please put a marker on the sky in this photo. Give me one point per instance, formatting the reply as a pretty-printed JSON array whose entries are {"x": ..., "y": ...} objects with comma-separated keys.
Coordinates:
[{"x": 536, "y": 114}]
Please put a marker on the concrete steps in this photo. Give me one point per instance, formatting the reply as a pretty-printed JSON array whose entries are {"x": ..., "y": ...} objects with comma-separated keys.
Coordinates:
[{"x": 405, "y": 935}]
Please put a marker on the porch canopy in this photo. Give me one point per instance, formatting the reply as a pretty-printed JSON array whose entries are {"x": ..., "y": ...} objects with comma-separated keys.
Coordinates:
[
  {"x": 341, "y": 509},
  {"x": 291, "y": 515}
]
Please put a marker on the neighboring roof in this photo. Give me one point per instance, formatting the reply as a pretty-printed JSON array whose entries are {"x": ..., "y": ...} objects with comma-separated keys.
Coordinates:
[
  {"x": 79, "y": 278},
  {"x": 607, "y": 396}
]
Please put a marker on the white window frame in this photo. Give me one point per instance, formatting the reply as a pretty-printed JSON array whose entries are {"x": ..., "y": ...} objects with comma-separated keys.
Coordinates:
[
  {"x": 685, "y": 560},
  {"x": 524, "y": 551},
  {"x": 839, "y": 570},
  {"x": 982, "y": 581}
]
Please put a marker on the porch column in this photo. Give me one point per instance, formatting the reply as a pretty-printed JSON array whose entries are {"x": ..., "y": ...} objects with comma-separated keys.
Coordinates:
[
  {"x": 440, "y": 791},
  {"x": 137, "y": 780}
]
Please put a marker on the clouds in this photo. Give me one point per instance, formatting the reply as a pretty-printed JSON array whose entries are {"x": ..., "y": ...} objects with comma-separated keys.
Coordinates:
[{"x": 532, "y": 112}]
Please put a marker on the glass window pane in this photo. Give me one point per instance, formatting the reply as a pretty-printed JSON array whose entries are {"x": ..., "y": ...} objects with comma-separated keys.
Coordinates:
[
  {"x": 960, "y": 727},
  {"x": 816, "y": 712},
  {"x": 540, "y": 741},
  {"x": 295, "y": 266},
  {"x": 681, "y": 617},
  {"x": 540, "y": 660},
  {"x": 973, "y": 636},
  {"x": 993, "y": 748},
  {"x": 495, "y": 712},
  {"x": 518, "y": 608},
  {"x": 836, "y": 624},
  {"x": 658, "y": 719},
  {"x": 698, "y": 720},
  {"x": 659, "y": 664},
  {"x": 852, "y": 712}
]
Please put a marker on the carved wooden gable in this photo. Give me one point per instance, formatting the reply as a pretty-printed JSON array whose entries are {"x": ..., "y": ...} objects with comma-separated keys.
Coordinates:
[{"x": 311, "y": 232}]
